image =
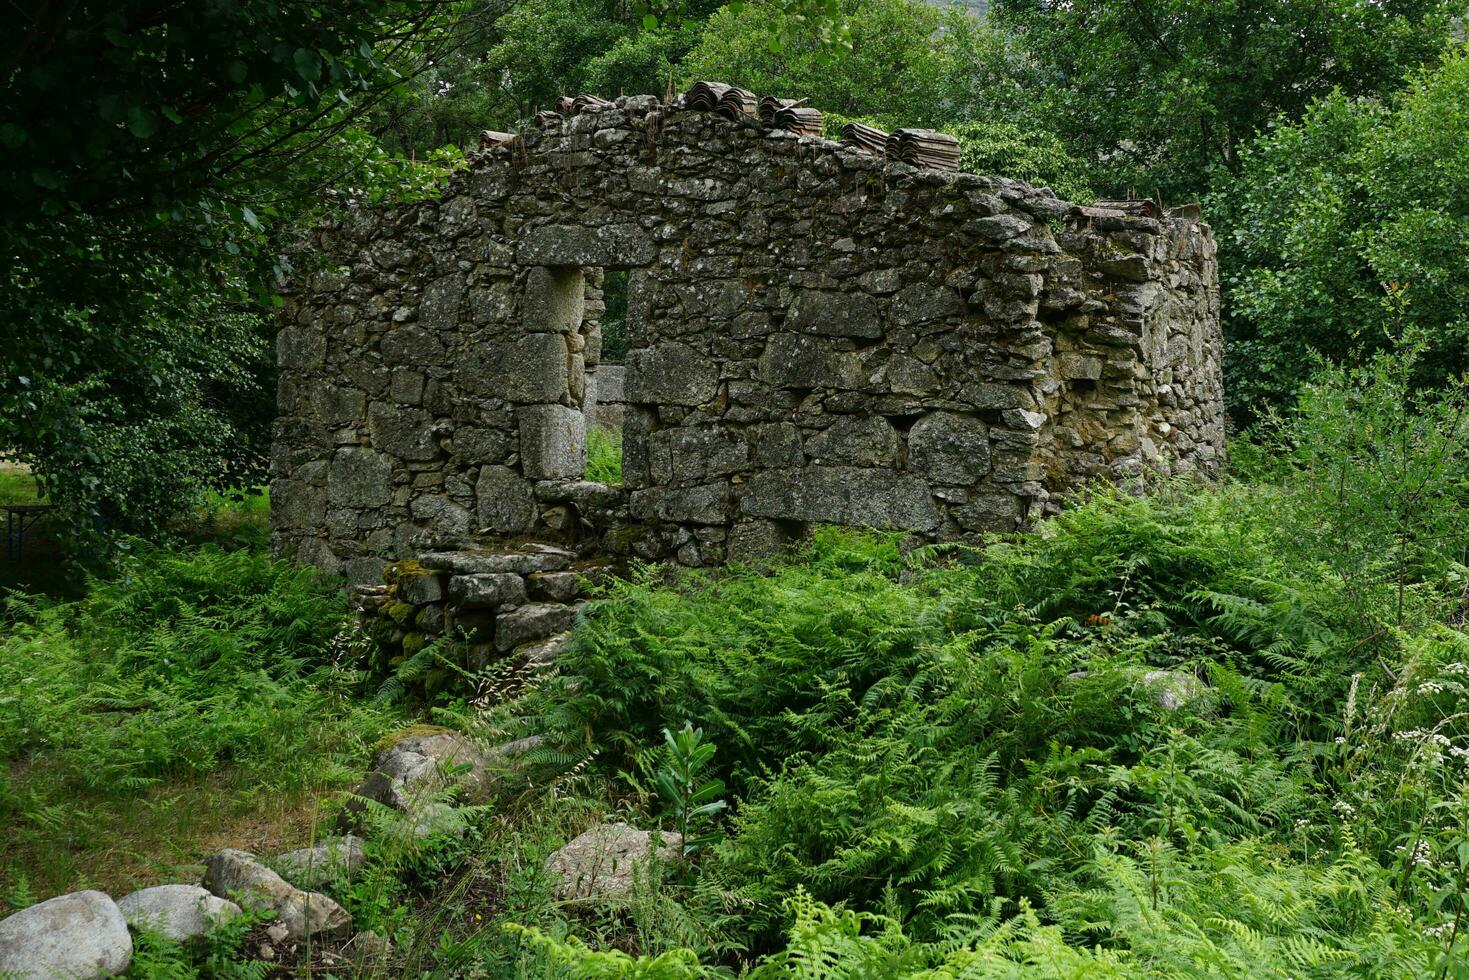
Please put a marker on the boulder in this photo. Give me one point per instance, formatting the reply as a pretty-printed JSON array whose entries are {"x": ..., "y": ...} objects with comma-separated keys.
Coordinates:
[
  {"x": 489, "y": 590},
  {"x": 237, "y": 874},
  {"x": 420, "y": 590},
  {"x": 861, "y": 496},
  {"x": 553, "y": 441},
  {"x": 437, "y": 819},
  {"x": 535, "y": 558},
  {"x": 180, "y": 912},
  {"x": 949, "y": 448},
  {"x": 1168, "y": 689},
  {"x": 408, "y": 775},
  {"x": 535, "y": 621},
  {"x": 555, "y": 586},
  {"x": 1172, "y": 689},
  {"x": 78, "y": 935},
  {"x": 543, "y": 653},
  {"x": 603, "y": 862},
  {"x": 333, "y": 859}
]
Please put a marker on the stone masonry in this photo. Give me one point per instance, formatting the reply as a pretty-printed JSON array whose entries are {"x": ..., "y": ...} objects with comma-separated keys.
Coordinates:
[{"x": 816, "y": 335}]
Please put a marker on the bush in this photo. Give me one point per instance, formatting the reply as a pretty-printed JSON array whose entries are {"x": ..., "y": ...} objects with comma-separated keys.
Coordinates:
[
  {"x": 1023, "y": 153},
  {"x": 1181, "y": 734}
]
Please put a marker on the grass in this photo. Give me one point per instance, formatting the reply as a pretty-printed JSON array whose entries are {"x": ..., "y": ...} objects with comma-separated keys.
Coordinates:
[
  {"x": 41, "y": 568},
  {"x": 118, "y": 842},
  {"x": 193, "y": 675},
  {"x": 239, "y": 518},
  {"x": 18, "y": 486}
]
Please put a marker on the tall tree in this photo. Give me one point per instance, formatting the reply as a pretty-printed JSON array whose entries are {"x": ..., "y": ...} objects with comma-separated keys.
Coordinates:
[
  {"x": 1348, "y": 232},
  {"x": 154, "y": 154},
  {"x": 1158, "y": 94}
]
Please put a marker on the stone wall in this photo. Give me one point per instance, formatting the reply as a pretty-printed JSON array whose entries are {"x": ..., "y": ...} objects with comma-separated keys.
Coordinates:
[
  {"x": 488, "y": 605},
  {"x": 815, "y": 335}
]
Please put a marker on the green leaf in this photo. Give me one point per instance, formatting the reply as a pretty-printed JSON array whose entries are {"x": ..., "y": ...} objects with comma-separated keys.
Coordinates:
[
  {"x": 109, "y": 107},
  {"x": 49, "y": 179},
  {"x": 308, "y": 64},
  {"x": 650, "y": 21},
  {"x": 11, "y": 135},
  {"x": 142, "y": 122},
  {"x": 249, "y": 216}
]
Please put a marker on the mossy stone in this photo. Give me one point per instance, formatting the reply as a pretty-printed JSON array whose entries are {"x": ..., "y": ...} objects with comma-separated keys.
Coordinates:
[
  {"x": 384, "y": 632},
  {"x": 413, "y": 643},
  {"x": 401, "y": 571},
  {"x": 411, "y": 731},
  {"x": 437, "y": 680},
  {"x": 619, "y": 541},
  {"x": 402, "y": 613}
]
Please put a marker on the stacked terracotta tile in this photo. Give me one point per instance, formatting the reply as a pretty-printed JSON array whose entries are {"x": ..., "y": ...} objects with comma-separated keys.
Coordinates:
[
  {"x": 798, "y": 119},
  {"x": 737, "y": 102},
  {"x": 924, "y": 148},
  {"x": 705, "y": 96},
  {"x": 1138, "y": 209},
  {"x": 727, "y": 100},
  {"x": 489, "y": 138},
  {"x": 770, "y": 105},
  {"x": 866, "y": 138},
  {"x": 584, "y": 102}
]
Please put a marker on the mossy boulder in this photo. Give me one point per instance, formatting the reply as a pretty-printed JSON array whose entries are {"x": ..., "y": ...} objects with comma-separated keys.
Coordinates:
[
  {"x": 383, "y": 632},
  {"x": 437, "y": 680},
  {"x": 402, "y": 571},
  {"x": 391, "y": 740},
  {"x": 413, "y": 643},
  {"x": 619, "y": 541},
  {"x": 402, "y": 613}
]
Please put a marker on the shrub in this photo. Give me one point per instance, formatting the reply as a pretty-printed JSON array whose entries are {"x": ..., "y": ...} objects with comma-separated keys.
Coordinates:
[{"x": 1160, "y": 733}]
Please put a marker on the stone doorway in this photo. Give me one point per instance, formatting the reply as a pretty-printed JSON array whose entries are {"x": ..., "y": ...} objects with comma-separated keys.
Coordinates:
[{"x": 568, "y": 311}]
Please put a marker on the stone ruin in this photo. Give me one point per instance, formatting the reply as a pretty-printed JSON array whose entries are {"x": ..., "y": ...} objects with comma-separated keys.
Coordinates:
[{"x": 816, "y": 335}]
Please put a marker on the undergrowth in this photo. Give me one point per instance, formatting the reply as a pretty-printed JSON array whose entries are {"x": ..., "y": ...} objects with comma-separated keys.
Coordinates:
[
  {"x": 963, "y": 761},
  {"x": 1203, "y": 731},
  {"x": 1197, "y": 732},
  {"x": 202, "y": 675}
]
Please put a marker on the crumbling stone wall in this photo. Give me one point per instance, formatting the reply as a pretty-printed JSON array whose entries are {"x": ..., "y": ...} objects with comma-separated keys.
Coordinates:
[{"x": 815, "y": 335}]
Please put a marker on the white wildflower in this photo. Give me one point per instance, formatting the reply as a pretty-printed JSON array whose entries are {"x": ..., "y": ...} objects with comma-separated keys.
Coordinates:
[
  {"x": 1420, "y": 855},
  {"x": 1351, "y": 712}
]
